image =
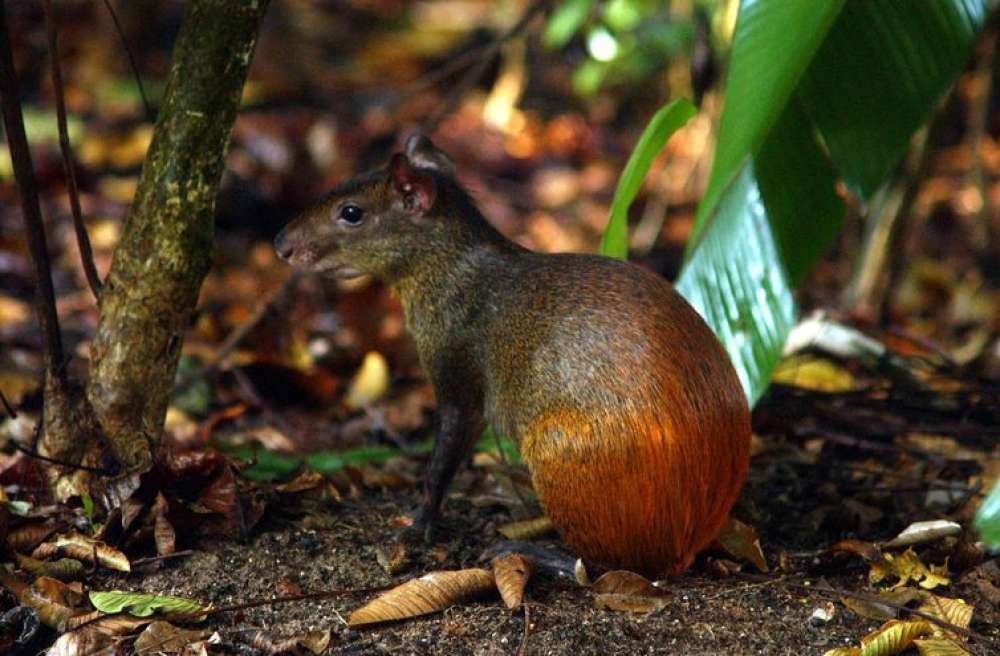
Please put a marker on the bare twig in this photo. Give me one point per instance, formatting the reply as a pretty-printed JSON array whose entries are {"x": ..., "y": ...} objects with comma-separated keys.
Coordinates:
[
  {"x": 131, "y": 62},
  {"x": 240, "y": 332},
  {"x": 20, "y": 154},
  {"x": 82, "y": 239},
  {"x": 8, "y": 408},
  {"x": 305, "y": 596},
  {"x": 527, "y": 631},
  {"x": 155, "y": 559},
  {"x": 475, "y": 72},
  {"x": 69, "y": 465}
]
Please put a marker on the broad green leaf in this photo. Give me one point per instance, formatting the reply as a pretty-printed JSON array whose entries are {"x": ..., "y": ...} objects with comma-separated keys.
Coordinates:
[
  {"x": 877, "y": 75},
  {"x": 140, "y": 604},
  {"x": 988, "y": 518},
  {"x": 565, "y": 21},
  {"x": 772, "y": 46},
  {"x": 670, "y": 118},
  {"x": 817, "y": 89}
]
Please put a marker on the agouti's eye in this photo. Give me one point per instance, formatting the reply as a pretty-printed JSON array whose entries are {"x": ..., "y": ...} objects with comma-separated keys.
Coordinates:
[{"x": 351, "y": 214}]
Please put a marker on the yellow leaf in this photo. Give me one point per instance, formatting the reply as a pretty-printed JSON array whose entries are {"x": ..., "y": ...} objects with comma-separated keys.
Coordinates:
[
  {"x": 953, "y": 611},
  {"x": 907, "y": 567},
  {"x": 813, "y": 374},
  {"x": 369, "y": 383},
  {"x": 940, "y": 647},
  {"x": 893, "y": 637}
]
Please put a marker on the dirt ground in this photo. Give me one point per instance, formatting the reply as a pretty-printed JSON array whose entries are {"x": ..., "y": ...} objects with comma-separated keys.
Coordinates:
[{"x": 790, "y": 501}]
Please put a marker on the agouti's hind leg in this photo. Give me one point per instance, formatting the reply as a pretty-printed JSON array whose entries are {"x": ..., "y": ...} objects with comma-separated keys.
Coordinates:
[{"x": 457, "y": 432}]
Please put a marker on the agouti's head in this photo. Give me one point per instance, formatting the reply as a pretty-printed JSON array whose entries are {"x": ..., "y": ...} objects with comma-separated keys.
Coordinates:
[{"x": 377, "y": 223}]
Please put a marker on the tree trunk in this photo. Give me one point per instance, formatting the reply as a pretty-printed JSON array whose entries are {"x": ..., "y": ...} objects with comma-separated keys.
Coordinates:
[{"x": 166, "y": 243}]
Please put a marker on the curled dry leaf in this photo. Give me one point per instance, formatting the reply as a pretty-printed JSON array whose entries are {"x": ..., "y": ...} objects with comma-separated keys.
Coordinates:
[
  {"x": 392, "y": 558},
  {"x": 528, "y": 529},
  {"x": 82, "y": 642},
  {"x": 112, "y": 625},
  {"x": 163, "y": 530},
  {"x": 740, "y": 541},
  {"x": 922, "y": 532},
  {"x": 907, "y": 567},
  {"x": 893, "y": 637},
  {"x": 580, "y": 573},
  {"x": 512, "y": 573},
  {"x": 64, "y": 569},
  {"x": 81, "y": 547},
  {"x": 428, "y": 594}
]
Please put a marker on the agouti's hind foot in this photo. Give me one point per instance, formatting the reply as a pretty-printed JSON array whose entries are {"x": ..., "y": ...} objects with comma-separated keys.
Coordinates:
[{"x": 553, "y": 562}]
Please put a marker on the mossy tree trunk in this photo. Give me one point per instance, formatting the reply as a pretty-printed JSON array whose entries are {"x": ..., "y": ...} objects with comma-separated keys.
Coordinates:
[{"x": 166, "y": 243}]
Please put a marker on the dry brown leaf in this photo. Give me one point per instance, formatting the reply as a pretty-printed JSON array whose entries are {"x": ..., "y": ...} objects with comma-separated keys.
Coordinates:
[
  {"x": 392, "y": 558},
  {"x": 528, "y": 529},
  {"x": 428, "y": 594},
  {"x": 874, "y": 610},
  {"x": 867, "y": 550},
  {"x": 740, "y": 541},
  {"x": 952, "y": 611},
  {"x": 940, "y": 647},
  {"x": 27, "y": 537},
  {"x": 112, "y": 625},
  {"x": 621, "y": 581},
  {"x": 80, "y": 643},
  {"x": 162, "y": 636},
  {"x": 512, "y": 573},
  {"x": 629, "y": 603},
  {"x": 80, "y": 547},
  {"x": 163, "y": 531},
  {"x": 907, "y": 567},
  {"x": 64, "y": 569},
  {"x": 893, "y": 637},
  {"x": 580, "y": 573}
]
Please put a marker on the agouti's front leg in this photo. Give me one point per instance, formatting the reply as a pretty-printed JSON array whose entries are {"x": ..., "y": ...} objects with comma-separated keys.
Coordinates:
[{"x": 458, "y": 429}]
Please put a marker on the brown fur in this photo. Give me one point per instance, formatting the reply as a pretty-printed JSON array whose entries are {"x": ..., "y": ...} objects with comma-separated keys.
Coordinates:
[{"x": 627, "y": 410}]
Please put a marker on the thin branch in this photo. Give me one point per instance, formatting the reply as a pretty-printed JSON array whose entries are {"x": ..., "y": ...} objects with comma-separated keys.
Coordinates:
[
  {"x": 240, "y": 332},
  {"x": 522, "y": 649},
  {"x": 150, "y": 115},
  {"x": 62, "y": 463},
  {"x": 473, "y": 74},
  {"x": 20, "y": 154},
  {"x": 82, "y": 239},
  {"x": 305, "y": 596},
  {"x": 8, "y": 408}
]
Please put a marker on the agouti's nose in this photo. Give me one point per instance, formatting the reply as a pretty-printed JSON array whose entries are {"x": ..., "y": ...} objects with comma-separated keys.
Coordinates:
[{"x": 282, "y": 246}]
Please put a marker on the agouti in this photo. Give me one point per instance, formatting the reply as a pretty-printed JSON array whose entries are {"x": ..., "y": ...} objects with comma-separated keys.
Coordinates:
[{"x": 624, "y": 405}]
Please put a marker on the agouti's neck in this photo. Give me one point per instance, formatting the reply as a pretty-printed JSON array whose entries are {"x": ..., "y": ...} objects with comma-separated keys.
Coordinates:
[{"x": 437, "y": 284}]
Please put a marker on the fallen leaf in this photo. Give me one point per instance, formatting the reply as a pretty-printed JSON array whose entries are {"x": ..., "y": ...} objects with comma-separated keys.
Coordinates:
[
  {"x": 527, "y": 529},
  {"x": 907, "y": 567},
  {"x": 81, "y": 547},
  {"x": 392, "y": 559},
  {"x": 512, "y": 573},
  {"x": 893, "y": 637},
  {"x": 621, "y": 581},
  {"x": 140, "y": 604},
  {"x": 80, "y": 643},
  {"x": 867, "y": 550},
  {"x": 843, "y": 651},
  {"x": 874, "y": 610},
  {"x": 64, "y": 569},
  {"x": 162, "y": 636},
  {"x": 740, "y": 541},
  {"x": 922, "y": 532},
  {"x": 953, "y": 611},
  {"x": 369, "y": 383},
  {"x": 940, "y": 647},
  {"x": 629, "y": 603},
  {"x": 812, "y": 373},
  {"x": 428, "y": 594}
]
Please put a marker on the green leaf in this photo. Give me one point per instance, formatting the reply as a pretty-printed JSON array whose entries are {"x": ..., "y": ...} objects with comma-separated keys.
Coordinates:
[
  {"x": 670, "y": 118},
  {"x": 817, "y": 90},
  {"x": 139, "y": 604},
  {"x": 988, "y": 518},
  {"x": 565, "y": 21}
]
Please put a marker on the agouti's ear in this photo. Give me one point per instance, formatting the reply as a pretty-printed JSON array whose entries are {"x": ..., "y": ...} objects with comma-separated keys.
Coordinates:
[
  {"x": 425, "y": 155},
  {"x": 415, "y": 186}
]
